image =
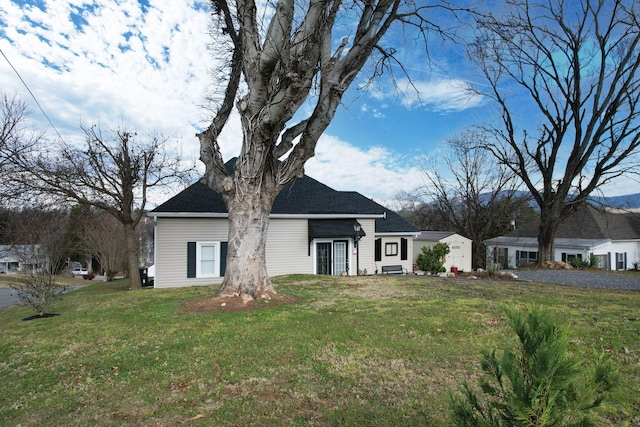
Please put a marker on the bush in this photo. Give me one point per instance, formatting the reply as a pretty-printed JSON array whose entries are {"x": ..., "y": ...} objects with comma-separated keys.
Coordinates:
[
  {"x": 38, "y": 291},
  {"x": 431, "y": 258},
  {"x": 538, "y": 384},
  {"x": 494, "y": 269},
  {"x": 579, "y": 263}
]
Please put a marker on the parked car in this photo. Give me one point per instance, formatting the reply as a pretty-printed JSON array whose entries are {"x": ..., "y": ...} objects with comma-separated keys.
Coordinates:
[{"x": 79, "y": 272}]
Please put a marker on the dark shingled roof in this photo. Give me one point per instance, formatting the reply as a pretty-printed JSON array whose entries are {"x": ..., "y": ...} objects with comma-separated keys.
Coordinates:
[
  {"x": 433, "y": 236},
  {"x": 304, "y": 196},
  {"x": 589, "y": 223}
]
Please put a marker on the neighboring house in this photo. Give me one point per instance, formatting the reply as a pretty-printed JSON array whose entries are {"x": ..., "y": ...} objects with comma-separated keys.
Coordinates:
[
  {"x": 16, "y": 259},
  {"x": 311, "y": 231},
  {"x": 614, "y": 238},
  {"x": 460, "y": 247}
]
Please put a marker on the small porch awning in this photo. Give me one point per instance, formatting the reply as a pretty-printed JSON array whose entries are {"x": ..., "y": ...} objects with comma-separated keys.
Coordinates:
[{"x": 331, "y": 228}]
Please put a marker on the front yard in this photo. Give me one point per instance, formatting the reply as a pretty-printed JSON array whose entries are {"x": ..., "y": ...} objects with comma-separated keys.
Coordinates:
[{"x": 343, "y": 351}]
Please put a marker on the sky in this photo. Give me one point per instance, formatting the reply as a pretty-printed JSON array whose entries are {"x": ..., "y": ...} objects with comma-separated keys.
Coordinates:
[{"x": 146, "y": 65}]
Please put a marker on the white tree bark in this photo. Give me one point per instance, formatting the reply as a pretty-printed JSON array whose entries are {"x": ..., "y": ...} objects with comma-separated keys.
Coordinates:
[{"x": 280, "y": 68}]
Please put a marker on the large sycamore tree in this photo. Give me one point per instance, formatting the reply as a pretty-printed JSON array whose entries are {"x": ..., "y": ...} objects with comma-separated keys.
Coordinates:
[
  {"x": 564, "y": 77},
  {"x": 290, "y": 63}
]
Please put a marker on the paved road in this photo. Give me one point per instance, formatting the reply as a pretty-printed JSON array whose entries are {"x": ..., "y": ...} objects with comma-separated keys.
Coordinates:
[
  {"x": 6, "y": 298},
  {"x": 589, "y": 279}
]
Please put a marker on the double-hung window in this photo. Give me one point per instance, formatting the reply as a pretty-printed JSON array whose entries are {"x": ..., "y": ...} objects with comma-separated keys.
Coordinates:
[{"x": 208, "y": 259}]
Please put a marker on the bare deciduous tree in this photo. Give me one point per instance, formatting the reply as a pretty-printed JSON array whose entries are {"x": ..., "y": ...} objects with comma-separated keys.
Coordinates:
[
  {"x": 565, "y": 78},
  {"x": 472, "y": 194},
  {"x": 283, "y": 57},
  {"x": 15, "y": 138},
  {"x": 103, "y": 237},
  {"x": 40, "y": 241},
  {"x": 113, "y": 173}
]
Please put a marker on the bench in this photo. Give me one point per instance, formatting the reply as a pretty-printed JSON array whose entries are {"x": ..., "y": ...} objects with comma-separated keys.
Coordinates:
[{"x": 393, "y": 269}]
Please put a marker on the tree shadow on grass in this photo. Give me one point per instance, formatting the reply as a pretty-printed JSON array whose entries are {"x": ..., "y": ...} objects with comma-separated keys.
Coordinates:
[{"x": 40, "y": 316}]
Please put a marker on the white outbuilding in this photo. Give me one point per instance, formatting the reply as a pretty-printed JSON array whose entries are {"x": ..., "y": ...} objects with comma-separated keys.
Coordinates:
[{"x": 460, "y": 256}]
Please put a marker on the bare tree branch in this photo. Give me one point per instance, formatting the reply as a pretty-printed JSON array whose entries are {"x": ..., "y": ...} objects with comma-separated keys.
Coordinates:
[
  {"x": 112, "y": 172},
  {"x": 574, "y": 72},
  {"x": 288, "y": 73}
]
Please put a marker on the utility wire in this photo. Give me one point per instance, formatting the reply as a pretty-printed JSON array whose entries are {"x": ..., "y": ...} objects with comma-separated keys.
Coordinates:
[{"x": 32, "y": 95}]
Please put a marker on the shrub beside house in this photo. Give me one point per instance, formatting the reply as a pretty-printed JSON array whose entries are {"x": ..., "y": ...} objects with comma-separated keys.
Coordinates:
[{"x": 459, "y": 257}]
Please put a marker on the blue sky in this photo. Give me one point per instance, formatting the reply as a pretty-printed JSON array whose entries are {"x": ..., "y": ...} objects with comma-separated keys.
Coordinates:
[{"x": 146, "y": 65}]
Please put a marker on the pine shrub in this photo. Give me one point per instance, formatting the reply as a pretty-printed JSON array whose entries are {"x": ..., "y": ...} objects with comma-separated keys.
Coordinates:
[
  {"x": 537, "y": 384},
  {"x": 431, "y": 259}
]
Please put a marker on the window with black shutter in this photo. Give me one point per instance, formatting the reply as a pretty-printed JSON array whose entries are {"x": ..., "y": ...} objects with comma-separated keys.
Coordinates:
[
  {"x": 191, "y": 260},
  {"x": 403, "y": 249}
]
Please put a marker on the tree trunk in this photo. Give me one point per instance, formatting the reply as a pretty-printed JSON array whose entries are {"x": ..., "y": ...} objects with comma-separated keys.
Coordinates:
[
  {"x": 546, "y": 237},
  {"x": 246, "y": 270},
  {"x": 133, "y": 259}
]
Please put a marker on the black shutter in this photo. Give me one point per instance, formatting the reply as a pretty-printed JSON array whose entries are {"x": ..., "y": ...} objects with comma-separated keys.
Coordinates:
[
  {"x": 223, "y": 257},
  {"x": 378, "y": 250},
  {"x": 403, "y": 248},
  {"x": 191, "y": 260}
]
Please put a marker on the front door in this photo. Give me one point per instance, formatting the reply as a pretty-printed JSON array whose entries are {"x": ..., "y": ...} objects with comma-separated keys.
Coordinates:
[
  {"x": 339, "y": 257},
  {"x": 332, "y": 257},
  {"x": 323, "y": 258}
]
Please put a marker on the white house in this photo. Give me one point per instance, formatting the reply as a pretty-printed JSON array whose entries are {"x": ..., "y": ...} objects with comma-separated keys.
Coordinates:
[
  {"x": 16, "y": 259},
  {"x": 460, "y": 256},
  {"x": 312, "y": 230},
  {"x": 614, "y": 238}
]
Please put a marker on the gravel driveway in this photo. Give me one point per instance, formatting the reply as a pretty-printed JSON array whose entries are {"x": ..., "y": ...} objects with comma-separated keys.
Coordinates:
[{"x": 588, "y": 279}]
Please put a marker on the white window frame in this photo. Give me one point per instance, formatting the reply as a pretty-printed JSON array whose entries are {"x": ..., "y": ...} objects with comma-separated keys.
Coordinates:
[{"x": 216, "y": 259}]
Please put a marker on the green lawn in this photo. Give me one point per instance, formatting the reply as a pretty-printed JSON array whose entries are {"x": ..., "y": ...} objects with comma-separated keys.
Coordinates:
[{"x": 351, "y": 351}]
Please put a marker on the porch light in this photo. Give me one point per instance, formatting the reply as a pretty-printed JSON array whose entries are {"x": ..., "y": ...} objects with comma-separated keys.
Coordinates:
[{"x": 357, "y": 227}]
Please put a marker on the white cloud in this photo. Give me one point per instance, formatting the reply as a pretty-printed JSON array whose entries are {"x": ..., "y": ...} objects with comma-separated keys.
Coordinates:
[
  {"x": 376, "y": 172},
  {"x": 147, "y": 70},
  {"x": 439, "y": 95}
]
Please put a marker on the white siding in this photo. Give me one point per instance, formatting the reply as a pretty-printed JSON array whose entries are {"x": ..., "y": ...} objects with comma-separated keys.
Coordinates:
[
  {"x": 367, "y": 248},
  {"x": 288, "y": 247},
  {"x": 172, "y": 235},
  {"x": 395, "y": 259}
]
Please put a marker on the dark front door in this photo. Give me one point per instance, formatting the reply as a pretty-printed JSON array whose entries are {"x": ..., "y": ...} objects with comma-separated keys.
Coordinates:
[{"x": 323, "y": 261}]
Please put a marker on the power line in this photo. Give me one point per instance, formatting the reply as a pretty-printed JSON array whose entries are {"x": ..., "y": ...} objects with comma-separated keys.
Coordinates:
[{"x": 32, "y": 95}]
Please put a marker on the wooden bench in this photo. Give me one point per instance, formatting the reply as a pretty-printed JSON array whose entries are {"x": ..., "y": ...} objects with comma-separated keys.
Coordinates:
[{"x": 393, "y": 269}]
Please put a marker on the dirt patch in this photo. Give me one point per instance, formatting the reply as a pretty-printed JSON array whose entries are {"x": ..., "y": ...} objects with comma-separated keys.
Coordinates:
[{"x": 212, "y": 303}]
